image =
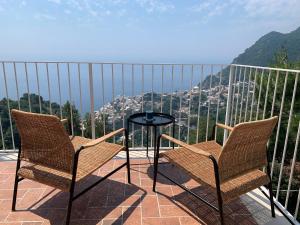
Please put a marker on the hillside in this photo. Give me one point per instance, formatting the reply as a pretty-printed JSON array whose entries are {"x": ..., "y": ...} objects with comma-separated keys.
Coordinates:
[{"x": 262, "y": 52}]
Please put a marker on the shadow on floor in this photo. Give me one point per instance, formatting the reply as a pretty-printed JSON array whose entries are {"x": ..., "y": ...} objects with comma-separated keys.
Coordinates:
[
  {"x": 171, "y": 171},
  {"x": 102, "y": 201},
  {"x": 235, "y": 212}
]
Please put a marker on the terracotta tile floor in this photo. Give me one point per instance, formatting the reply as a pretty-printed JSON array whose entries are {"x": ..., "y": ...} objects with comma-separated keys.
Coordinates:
[{"x": 116, "y": 202}]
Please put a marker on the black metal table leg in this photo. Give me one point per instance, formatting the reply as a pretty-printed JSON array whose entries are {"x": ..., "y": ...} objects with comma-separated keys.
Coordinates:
[
  {"x": 127, "y": 152},
  {"x": 158, "y": 120}
]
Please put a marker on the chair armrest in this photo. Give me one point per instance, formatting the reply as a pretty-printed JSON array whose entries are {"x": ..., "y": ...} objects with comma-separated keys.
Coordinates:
[
  {"x": 93, "y": 143},
  {"x": 187, "y": 146},
  {"x": 103, "y": 138},
  {"x": 64, "y": 121},
  {"x": 224, "y": 126}
]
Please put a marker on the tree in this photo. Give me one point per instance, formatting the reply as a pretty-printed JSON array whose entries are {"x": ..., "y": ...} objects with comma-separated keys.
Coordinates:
[
  {"x": 37, "y": 105},
  {"x": 72, "y": 116}
]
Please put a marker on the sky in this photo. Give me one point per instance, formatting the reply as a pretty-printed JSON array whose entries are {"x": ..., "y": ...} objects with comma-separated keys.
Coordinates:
[{"x": 149, "y": 31}]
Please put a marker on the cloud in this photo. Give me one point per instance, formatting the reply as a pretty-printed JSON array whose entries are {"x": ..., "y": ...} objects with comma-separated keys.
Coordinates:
[
  {"x": 248, "y": 8},
  {"x": 93, "y": 12},
  {"x": 155, "y": 6},
  {"x": 203, "y": 11},
  {"x": 67, "y": 11},
  {"x": 55, "y": 1},
  {"x": 117, "y": 2},
  {"x": 75, "y": 4},
  {"x": 97, "y": 9},
  {"x": 122, "y": 12},
  {"x": 201, "y": 6},
  {"x": 43, "y": 16},
  {"x": 23, "y": 3},
  {"x": 277, "y": 8},
  {"x": 208, "y": 9}
]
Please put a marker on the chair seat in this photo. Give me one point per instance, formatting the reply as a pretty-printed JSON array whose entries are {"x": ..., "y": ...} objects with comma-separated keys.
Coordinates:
[
  {"x": 90, "y": 159},
  {"x": 201, "y": 169}
]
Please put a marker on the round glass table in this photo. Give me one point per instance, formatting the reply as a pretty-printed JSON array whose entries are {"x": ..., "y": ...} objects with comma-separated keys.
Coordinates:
[{"x": 159, "y": 119}]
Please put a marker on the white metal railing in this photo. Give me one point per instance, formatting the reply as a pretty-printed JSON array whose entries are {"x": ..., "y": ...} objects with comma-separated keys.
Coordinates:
[
  {"x": 78, "y": 82},
  {"x": 109, "y": 92},
  {"x": 273, "y": 91}
]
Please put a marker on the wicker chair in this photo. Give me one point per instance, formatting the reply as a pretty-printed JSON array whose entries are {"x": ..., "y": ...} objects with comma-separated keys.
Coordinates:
[
  {"x": 233, "y": 169},
  {"x": 51, "y": 157}
]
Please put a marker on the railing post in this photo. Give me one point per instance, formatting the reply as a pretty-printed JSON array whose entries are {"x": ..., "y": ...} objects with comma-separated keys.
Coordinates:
[
  {"x": 92, "y": 99},
  {"x": 228, "y": 106}
]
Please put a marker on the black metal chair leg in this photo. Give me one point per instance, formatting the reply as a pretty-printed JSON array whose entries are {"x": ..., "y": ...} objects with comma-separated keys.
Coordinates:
[
  {"x": 128, "y": 163},
  {"x": 69, "y": 209},
  {"x": 220, "y": 205},
  {"x": 72, "y": 187},
  {"x": 173, "y": 133},
  {"x": 271, "y": 199},
  {"x": 13, "y": 207},
  {"x": 147, "y": 139},
  {"x": 128, "y": 169},
  {"x": 270, "y": 191},
  {"x": 217, "y": 179}
]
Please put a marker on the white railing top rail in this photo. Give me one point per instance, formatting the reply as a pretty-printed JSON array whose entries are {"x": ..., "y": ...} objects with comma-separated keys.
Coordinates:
[
  {"x": 113, "y": 63},
  {"x": 141, "y": 63}
]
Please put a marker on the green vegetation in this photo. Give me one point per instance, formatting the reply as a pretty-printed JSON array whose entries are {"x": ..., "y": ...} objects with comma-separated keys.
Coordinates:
[
  {"x": 282, "y": 61},
  {"x": 44, "y": 107},
  {"x": 262, "y": 53}
]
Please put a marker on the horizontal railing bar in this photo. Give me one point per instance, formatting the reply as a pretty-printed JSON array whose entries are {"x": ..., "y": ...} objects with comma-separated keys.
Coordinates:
[
  {"x": 278, "y": 205},
  {"x": 133, "y": 149},
  {"x": 150, "y": 148},
  {"x": 125, "y": 63},
  {"x": 9, "y": 151}
]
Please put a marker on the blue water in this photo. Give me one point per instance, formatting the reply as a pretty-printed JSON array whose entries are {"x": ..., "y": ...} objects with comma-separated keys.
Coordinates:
[{"x": 134, "y": 83}]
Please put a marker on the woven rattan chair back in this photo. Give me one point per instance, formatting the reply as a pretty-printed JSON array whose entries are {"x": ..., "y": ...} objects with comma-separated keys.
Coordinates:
[
  {"x": 245, "y": 148},
  {"x": 44, "y": 140}
]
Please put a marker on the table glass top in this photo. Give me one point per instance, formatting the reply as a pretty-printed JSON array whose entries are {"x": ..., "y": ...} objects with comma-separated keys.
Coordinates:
[{"x": 159, "y": 119}]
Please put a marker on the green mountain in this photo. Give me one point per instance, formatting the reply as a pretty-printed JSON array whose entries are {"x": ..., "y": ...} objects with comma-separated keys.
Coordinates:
[{"x": 263, "y": 51}]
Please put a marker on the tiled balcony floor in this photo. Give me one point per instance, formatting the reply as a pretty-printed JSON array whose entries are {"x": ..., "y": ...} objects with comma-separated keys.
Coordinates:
[{"x": 116, "y": 202}]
